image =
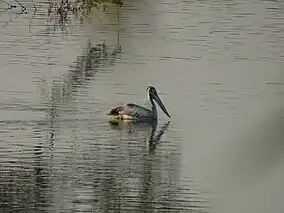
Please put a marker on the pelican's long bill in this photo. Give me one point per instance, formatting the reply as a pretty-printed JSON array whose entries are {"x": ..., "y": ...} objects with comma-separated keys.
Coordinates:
[{"x": 158, "y": 100}]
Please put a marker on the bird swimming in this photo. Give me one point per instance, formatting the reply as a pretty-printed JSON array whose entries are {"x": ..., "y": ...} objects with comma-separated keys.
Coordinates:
[{"x": 132, "y": 111}]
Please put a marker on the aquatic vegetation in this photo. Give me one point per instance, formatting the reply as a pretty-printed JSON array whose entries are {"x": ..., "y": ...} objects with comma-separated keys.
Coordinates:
[{"x": 79, "y": 7}]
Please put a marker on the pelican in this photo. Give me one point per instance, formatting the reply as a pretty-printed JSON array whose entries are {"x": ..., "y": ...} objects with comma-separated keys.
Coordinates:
[{"x": 135, "y": 112}]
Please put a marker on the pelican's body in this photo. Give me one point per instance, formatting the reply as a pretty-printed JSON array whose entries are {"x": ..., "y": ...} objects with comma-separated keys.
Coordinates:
[{"x": 136, "y": 112}]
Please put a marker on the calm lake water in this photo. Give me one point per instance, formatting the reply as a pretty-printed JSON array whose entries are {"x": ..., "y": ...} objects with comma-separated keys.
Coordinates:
[{"x": 218, "y": 67}]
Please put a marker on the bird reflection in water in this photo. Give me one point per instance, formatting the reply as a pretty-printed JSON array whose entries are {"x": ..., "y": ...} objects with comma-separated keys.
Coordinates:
[
  {"x": 150, "y": 173},
  {"x": 131, "y": 126}
]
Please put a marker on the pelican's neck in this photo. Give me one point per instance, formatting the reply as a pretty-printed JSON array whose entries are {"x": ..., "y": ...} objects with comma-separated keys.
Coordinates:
[{"x": 154, "y": 109}]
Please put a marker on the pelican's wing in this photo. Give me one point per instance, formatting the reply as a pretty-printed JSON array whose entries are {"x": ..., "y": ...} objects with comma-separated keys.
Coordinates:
[{"x": 132, "y": 110}]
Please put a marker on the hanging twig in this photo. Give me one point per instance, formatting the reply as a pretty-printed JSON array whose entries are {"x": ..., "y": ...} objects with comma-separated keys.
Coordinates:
[
  {"x": 32, "y": 15},
  {"x": 11, "y": 5},
  {"x": 23, "y": 7},
  {"x": 35, "y": 6}
]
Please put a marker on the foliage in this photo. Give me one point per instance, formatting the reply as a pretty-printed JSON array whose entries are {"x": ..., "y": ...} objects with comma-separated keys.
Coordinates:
[{"x": 78, "y": 7}]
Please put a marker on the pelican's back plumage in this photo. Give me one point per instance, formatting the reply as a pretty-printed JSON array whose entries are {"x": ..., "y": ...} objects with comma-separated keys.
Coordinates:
[{"x": 130, "y": 111}]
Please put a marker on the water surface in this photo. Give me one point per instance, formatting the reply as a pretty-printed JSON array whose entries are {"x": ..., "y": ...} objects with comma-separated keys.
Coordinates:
[{"x": 218, "y": 67}]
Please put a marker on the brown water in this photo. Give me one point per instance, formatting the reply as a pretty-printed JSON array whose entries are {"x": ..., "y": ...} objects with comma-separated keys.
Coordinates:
[{"x": 218, "y": 66}]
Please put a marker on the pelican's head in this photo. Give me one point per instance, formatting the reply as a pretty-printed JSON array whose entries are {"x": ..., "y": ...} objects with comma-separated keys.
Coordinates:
[{"x": 152, "y": 94}]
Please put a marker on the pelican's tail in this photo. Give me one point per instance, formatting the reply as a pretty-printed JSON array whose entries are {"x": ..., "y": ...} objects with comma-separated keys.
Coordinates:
[{"x": 116, "y": 111}]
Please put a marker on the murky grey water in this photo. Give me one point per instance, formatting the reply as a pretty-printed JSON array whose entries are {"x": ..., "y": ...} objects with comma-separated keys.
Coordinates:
[{"x": 218, "y": 66}]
